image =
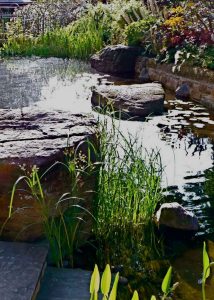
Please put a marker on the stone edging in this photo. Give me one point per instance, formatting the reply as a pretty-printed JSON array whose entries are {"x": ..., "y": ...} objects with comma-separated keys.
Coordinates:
[{"x": 200, "y": 81}]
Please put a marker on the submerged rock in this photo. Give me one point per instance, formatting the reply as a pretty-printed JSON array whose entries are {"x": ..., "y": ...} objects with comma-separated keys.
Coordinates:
[
  {"x": 38, "y": 138},
  {"x": 116, "y": 60},
  {"x": 175, "y": 216},
  {"x": 183, "y": 92},
  {"x": 136, "y": 100}
]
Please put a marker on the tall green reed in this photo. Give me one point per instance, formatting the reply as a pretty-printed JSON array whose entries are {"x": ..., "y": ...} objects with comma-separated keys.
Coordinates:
[
  {"x": 129, "y": 189},
  {"x": 79, "y": 40},
  {"x": 61, "y": 218}
]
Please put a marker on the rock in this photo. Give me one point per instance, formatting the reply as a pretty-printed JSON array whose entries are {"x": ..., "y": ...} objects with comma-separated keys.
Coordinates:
[
  {"x": 39, "y": 138},
  {"x": 64, "y": 284},
  {"x": 175, "y": 216},
  {"x": 183, "y": 92},
  {"x": 116, "y": 60},
  {"x": 137, "y": 100}
]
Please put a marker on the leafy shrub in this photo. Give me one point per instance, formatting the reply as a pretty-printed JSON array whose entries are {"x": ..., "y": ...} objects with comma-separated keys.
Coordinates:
[
  {"x": 189, "y": 29},
  {"x": 139, "y": 33}
]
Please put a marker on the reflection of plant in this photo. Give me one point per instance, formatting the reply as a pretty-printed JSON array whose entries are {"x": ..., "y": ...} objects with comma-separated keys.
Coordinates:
[{"x": 209, "y": 183}]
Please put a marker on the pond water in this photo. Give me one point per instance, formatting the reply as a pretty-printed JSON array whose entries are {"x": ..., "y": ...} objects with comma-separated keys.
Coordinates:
[{"x": 184, "y": 134}]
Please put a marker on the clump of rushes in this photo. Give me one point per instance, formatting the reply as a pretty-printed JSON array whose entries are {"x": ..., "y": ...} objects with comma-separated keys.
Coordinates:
[
  {"x": 80, "y": 39},
  {"x": 62, "y": 229},
  {"x": 129, "y": 190}
]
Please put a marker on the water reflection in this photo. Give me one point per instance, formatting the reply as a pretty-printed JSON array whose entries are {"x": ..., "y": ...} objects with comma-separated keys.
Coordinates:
[
  {"x": 184, "y": 134},
  {"x": 48, "y": 83}
]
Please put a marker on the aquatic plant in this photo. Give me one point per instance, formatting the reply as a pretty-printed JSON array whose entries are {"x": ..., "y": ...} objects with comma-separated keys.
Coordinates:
[
  {"x": 104, "y": 287},
  {"x": 128, "y": 191},
  {"x": 206, "y": 270},
  {"x": 62, "y": 229},
  {"x": 166, "y": 286}
]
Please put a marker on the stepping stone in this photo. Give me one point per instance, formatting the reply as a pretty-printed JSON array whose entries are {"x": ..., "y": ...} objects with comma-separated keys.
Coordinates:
[
  {"x": 136, "y": 101},
  {"x": 21, "y": 268},
  {"x": 65, "y": 284}
]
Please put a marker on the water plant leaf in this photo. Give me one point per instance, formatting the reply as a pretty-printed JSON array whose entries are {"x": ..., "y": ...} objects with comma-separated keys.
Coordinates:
[
  {"x": 95, "y": 281},
  {"x": 113, "y": 294},
  {"x": 135, "y": 296},
  {"x": 167, "y": 281},
  {"x": 206, "y": 263},
  {"x": 106, "y": 280},
  {"x": 153, "y": 298}
]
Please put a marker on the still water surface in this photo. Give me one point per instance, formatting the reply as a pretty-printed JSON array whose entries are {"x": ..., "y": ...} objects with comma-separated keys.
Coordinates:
[{"x": 184, "y": 134}]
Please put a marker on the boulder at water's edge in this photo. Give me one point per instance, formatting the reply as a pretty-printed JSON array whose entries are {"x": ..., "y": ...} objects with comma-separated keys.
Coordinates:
[
  {"x": 175, "y": 216},
  {"x": 116, "y": 60},
  {"x": 39, "y": 138},
  {"x": 136, "y": 101}
]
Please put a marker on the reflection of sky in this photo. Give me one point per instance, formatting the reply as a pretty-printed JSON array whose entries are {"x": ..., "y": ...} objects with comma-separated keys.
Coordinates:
[{"x": 181, "y": 135}]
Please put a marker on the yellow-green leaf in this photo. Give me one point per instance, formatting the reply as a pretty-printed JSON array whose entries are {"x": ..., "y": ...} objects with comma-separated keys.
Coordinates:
[
  {"x": 113, "y": 294},
  {"x": 135, "y": 296},
  {"x": 95, "y": 281},
  {"x": 167, "y": 281},
  {"x": 106, "y": 281},
  {"x": 206, "y": 263},
  {"x": 153, "y": 298}
]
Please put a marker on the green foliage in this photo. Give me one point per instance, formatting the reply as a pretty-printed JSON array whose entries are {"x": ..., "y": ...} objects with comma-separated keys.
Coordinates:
[
  {"x": 206, "y": 270},
  {"x": 128, "y": 191},
  {"x": 79, "y": 40},
  {"x": 105, "y": 284},
  {"x": 166, "y": 284},
  {"x": 62, "y": 229},
  {"x": 138, "y": 33},
  {"x": 135, "y": 296}
]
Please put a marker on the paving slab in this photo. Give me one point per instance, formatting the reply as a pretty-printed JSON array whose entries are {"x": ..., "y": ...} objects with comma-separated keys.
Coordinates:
[
  {"x": 65, "y": 284},
  {"x": 21, "y": 268}
]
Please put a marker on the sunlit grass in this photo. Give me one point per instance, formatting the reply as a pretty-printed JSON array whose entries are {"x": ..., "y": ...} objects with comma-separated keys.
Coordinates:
[{"x": 78, "y": 40}]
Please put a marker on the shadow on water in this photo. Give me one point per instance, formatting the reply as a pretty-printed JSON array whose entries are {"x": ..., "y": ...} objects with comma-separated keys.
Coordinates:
[{"x": 183, "y": 135}]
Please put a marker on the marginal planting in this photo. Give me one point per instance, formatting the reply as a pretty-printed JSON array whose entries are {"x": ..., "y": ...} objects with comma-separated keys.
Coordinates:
[
  {"x": 163, "y": 28},
  {"x": 129, "y": 189},
  {"x": 62, "y": 218}
]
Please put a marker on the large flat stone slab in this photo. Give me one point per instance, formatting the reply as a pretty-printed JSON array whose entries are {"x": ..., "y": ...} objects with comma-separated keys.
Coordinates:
[
  {"x": 38, "y": 138},
  {"x": 136, "y": 100},
  {"x": 22, "y": 266},
  {"x": 64, "y": 284}
]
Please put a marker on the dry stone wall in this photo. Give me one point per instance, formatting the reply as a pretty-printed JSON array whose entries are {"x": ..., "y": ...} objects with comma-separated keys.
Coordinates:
[{"x": 200, "y": 81}]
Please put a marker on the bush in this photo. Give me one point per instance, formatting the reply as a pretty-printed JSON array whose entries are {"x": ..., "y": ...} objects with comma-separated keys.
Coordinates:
[{"x": 139, "y": 33}]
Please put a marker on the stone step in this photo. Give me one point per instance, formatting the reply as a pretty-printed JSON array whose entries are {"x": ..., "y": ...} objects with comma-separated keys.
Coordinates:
[
  {"x": 65, "y": 284},
  {"x": 21, "y": 268}
]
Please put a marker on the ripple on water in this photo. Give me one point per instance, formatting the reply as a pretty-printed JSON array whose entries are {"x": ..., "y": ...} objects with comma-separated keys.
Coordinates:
[{"x": 183, "y": 135}]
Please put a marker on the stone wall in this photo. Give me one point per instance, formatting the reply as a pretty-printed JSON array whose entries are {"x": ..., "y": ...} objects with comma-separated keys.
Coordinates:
[{"x": 200, "y": 81}]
